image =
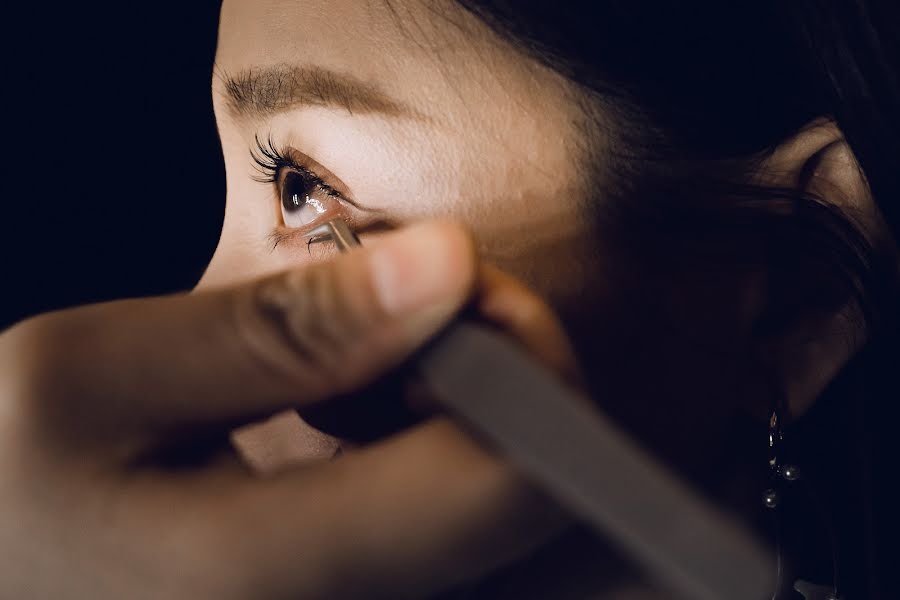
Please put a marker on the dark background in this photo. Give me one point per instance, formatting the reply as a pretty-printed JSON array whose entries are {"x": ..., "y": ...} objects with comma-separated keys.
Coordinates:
[{"x": 113, "y": 184}]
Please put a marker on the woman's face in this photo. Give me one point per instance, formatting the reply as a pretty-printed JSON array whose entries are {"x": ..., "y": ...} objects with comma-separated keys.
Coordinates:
[{"x": 385, "y": 113}]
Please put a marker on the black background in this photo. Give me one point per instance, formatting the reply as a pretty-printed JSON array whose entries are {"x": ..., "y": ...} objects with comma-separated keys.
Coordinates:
[{"x": 113, "y": 184}]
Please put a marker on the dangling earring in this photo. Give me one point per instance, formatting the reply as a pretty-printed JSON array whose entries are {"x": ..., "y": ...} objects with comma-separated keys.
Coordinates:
[
  {"x": 782, "y": 473},
  {"x": 771, "y": 497}
]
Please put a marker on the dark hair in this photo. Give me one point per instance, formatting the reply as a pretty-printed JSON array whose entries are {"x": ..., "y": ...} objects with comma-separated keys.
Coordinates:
[{"x": 696, "y": 94}]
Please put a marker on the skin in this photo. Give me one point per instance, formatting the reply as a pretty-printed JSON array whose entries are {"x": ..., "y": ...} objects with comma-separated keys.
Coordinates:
[
  {"x": 490, "y": 139},
  {"x": 98, "y": 401},
  {"x": 487, "y": 141},
  {"x": 484, "y": 138},
  {"x": 95, "y": 399}
]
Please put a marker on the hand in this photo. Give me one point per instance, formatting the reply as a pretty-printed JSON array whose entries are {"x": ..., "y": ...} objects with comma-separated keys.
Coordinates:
[{"x": 117, "y": 479}]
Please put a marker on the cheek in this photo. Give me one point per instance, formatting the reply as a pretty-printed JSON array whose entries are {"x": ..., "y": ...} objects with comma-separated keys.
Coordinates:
[
  {"x": 512, "y": 180},
  {"x": 533, "y": 226}
]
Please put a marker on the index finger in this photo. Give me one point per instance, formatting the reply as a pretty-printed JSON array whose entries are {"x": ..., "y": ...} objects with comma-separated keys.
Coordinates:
[{"x": 235, "y": 354}]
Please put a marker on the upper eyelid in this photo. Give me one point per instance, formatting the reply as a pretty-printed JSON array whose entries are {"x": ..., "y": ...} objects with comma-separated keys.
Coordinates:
[{"x": 269, "y": 159}]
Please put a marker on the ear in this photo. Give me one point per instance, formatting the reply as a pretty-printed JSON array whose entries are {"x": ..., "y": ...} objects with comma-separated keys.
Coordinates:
[{"x": 811, "y": 350}]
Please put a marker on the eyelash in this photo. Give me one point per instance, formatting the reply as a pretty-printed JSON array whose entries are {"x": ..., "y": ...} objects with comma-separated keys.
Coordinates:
[{"x": 270, "y": 161}]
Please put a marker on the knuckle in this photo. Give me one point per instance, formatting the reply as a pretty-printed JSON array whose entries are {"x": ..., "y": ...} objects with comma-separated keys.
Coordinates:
[
  {"x": 533, "y": 311},
  {"x": 528, "y": 312},
  {"x": 286, "y": 315},
  {"x": 303, "y": 324},
  {"x": 37, "y": 379},
  {"x": 31, "y": 358}
]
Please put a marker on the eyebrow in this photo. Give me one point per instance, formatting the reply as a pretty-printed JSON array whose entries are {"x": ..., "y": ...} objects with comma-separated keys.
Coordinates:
[{"x": 263, "y": 91}]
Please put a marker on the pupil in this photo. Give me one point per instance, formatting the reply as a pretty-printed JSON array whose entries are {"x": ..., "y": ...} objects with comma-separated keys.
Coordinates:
[{"x": 294, "y": 191}]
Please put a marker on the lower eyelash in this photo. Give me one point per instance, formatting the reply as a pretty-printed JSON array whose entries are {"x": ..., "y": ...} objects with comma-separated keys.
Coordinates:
[{"x": 277, "y": 237}]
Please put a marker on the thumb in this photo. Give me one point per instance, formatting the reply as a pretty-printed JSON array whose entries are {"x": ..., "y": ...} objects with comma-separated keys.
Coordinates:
[{"x": 285, "y": 341}]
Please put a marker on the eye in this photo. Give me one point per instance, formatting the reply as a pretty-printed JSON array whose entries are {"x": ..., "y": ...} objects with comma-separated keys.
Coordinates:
[{"x": 305, "y": 199}]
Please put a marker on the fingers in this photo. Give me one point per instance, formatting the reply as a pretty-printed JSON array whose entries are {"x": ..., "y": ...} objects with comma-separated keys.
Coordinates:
[
  {"x": 285, "y": 341},
  {"x": 403, "y": 518},
  {"x": 507, "y": 303},
  {"x": 394, "y": 403}
]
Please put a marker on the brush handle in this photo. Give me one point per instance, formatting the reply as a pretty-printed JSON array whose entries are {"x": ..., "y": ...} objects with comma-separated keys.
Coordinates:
[{"x": 564, "y": 444}]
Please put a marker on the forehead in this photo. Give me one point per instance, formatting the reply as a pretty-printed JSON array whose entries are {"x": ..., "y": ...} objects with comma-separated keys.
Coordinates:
[
  {"x": 432, "y": 56},
  {"x": 386, "y": 43},
  {"x": 301, "y": 24}
]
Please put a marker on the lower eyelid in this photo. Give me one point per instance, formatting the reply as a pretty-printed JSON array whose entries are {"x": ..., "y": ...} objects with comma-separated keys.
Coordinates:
[
  {"x": 296, "y": 239},
  {"x": 285, "y": 234}
]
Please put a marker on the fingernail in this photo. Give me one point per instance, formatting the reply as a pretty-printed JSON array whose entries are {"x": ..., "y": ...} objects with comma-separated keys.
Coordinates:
[{"x": 424, "y": 269}]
